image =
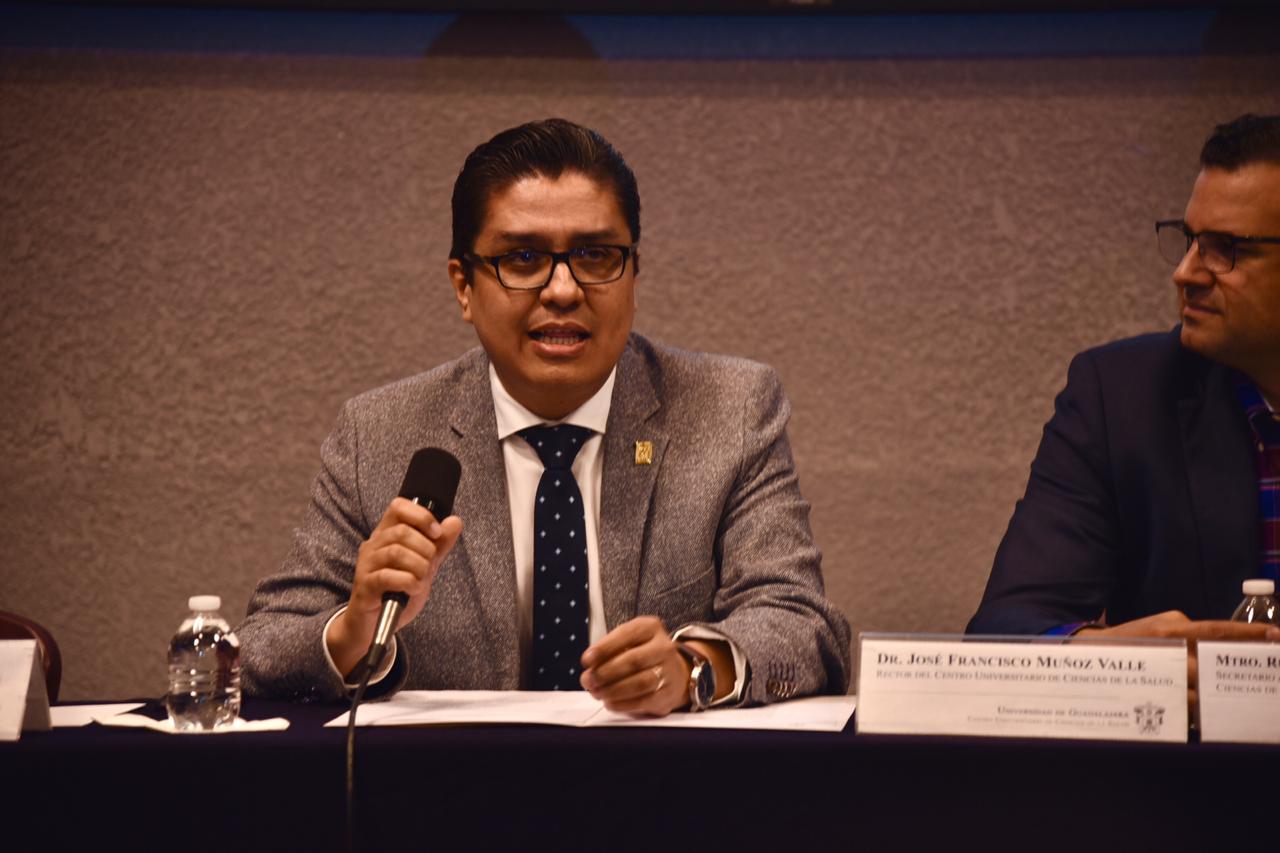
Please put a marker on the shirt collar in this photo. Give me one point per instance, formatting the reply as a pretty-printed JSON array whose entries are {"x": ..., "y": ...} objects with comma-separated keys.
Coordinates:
[
  {"x": 1250, "y": 395},
  {"x": 1262, "y": 417},
  {"x": 513, "y": 417}
]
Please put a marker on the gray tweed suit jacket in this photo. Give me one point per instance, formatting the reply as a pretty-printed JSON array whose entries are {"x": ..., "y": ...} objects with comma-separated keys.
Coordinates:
[{"x": 714, "y": 531}]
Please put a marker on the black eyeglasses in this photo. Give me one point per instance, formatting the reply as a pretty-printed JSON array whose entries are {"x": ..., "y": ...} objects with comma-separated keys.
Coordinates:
[
  {"x": 1217, "y": 248},
  {"x": 530, "y": 269}
]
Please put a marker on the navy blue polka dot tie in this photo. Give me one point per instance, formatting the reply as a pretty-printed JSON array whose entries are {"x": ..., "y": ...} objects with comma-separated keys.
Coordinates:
[{"x": 560, "y": 609}]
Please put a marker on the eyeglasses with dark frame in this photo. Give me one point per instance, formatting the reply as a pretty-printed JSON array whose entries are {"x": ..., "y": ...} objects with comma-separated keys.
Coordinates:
[
  {"x": 1217, "y": 248},
  {"x": 531, "y": 269}
]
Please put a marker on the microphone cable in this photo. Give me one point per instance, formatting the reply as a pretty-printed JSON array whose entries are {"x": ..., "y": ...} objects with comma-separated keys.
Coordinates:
[
  {"x": 351, "y": 759},
  {"x": 431, "y": 481}
]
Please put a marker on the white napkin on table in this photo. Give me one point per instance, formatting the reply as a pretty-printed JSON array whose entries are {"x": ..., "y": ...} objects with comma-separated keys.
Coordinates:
[{"x": 138, "y": 721}]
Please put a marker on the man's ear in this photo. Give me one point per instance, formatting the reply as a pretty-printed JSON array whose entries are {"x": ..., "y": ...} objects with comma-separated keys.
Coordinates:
[{"x": 460, "y": 276}]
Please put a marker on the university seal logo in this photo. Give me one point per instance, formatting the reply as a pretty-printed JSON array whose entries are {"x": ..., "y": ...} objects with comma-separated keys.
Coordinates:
[{"x": 1149, "y": 717}]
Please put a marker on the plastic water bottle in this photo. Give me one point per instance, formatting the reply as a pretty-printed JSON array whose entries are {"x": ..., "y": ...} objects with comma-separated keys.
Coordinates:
[
  {"x": 204, "y": 669},
  {"x": 1259, "y": 603}
]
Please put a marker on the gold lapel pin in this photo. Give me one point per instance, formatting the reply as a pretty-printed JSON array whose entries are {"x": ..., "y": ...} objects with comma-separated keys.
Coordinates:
[{"x": 644, "y": 452}]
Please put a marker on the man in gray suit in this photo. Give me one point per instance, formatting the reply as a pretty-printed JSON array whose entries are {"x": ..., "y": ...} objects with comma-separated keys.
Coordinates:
[{"x": 683, "y": 572}]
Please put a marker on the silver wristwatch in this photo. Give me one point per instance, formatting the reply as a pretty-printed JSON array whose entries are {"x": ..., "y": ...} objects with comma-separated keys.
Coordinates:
[{"x": 702, "y": 677}]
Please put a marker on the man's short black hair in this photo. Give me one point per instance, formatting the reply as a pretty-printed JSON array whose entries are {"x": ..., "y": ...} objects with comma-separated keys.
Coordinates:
[
  {"x": 549, "y": 148},
  {"x": 1248, "y": 139}
]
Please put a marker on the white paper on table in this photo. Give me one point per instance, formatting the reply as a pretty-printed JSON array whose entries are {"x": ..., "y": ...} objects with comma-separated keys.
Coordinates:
[
  {"x": 578, "y": 709},
  {"x": 238, "y": 726},
  {"x": 74, "y": 716},
  {"x": 24, "y": 702},
  {"x": 476, "y": 707},
  {"x": 814, "y": 714}
]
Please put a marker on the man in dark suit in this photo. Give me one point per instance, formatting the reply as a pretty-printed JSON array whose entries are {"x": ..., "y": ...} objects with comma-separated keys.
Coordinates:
[
  {"x": 1153, "y": 494},
  {"x": 669, "y": 566}
]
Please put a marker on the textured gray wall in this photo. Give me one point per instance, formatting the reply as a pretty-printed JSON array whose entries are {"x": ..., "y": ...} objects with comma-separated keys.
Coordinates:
[{"x": 203, "y": 253}]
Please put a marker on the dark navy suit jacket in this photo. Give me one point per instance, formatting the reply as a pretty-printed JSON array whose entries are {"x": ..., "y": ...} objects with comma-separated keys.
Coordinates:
[{"x": 1143, "y": 497}]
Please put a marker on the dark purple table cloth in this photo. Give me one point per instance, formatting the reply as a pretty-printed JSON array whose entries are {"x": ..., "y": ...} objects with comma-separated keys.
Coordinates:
[{"x": 520, "y": 787}]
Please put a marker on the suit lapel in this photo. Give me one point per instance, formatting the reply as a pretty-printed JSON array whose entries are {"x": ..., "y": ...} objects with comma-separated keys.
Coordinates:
[
  {"x": 626, "y": 486},
  {"x": 484, "y": 507},
  {"x": 1224, "y": 490}
]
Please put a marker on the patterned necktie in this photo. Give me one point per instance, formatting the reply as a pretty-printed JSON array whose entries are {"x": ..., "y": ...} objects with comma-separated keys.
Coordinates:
[{"x": 560, "y": 609}]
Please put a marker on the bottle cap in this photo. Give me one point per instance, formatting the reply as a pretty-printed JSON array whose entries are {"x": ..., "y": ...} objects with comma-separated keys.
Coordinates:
[
  {"x": 1260, "y": 586},
  {"x": 204, "y": 602}
]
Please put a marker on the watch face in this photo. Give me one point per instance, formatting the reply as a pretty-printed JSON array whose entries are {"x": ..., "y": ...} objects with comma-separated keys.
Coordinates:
[{"x": 706, "y": 685}]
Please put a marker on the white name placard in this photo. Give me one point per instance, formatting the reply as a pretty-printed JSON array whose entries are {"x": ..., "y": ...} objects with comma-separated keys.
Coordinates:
[
  {"x": 1022, "y": 687},
  {"x": 1239, "y": 691},
  {"x": 24, "y": 704}
]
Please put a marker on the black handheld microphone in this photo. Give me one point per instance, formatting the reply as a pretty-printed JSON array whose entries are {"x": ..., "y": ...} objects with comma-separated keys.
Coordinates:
[{"x": 431, "y": 481}]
